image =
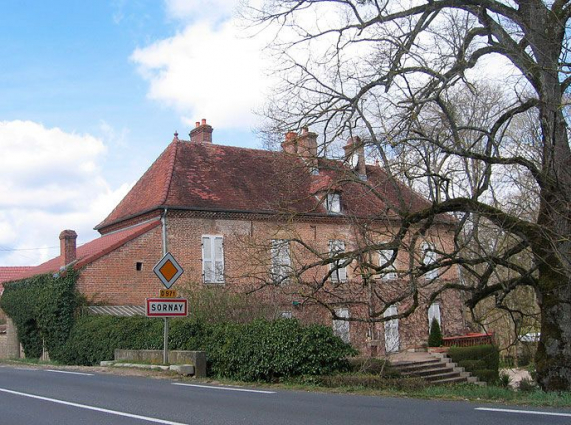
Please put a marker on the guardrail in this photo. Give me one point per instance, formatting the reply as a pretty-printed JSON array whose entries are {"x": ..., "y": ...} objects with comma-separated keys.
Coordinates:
[{"x": 468, "y": 340}]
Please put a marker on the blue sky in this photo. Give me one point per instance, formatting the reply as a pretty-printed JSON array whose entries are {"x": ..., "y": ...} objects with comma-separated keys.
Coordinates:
[{"x": 91, "y": 93}]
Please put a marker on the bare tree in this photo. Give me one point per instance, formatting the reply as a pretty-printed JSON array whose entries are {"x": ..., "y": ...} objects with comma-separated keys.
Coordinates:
[{"x": 389, "y": 71}]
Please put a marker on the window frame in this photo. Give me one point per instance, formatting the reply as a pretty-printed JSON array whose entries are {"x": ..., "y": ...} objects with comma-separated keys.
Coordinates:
[
  {"x": 390, "y": 272},
  {"x": 339, "y": 274},
  {"x": 333, "y": 199},
  {"x": 217, "y": 272},
  {"x": 427, "y": 259},
  {"x": 279, "y": 269}
]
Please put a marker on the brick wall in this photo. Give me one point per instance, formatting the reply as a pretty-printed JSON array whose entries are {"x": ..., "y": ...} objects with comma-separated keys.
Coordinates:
[{"x": 114, "y": 278}]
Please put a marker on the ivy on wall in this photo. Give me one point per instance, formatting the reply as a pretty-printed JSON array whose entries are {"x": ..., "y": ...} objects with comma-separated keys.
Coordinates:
[{"x": 42, "y": 308}]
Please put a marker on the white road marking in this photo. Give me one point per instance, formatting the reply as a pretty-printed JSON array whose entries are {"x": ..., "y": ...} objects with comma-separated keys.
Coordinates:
[
  {"x": 225, "y": 388},
  {"x": 528, "y": 412},
  {"x": 71, "y": 373},
  {"x": 97, "y": 409}
]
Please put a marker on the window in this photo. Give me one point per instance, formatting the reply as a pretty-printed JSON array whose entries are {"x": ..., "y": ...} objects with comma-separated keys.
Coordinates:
[
  {"x": 281, "y": 261},
  {"x": 213, "y": 259},
  {"x": 339, "y": 274},
  {"x": 429, "y": 257},
  {"x": 389, "y": 272},
  {"x": 341, "y": 327},
  {"x": 138, "y": 266},
  {"x": 333, "y": 203},
  {"x": 434, "y": 313}
]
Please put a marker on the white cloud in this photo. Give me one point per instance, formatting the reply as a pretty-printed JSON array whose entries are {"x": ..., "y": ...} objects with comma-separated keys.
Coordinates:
[
  {"x": 200, "y": 9},
  {"x": 50, "y": 180},
  {"x": 208, "y": 70}
]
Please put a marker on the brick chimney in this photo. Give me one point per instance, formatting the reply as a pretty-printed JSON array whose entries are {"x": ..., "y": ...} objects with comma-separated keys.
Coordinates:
[
  {"x": 201, "y": 133},
  {"x": 355, "y": 156},
  {"x": 67, "y": 247},
  {"x": 304, "y": 145}
]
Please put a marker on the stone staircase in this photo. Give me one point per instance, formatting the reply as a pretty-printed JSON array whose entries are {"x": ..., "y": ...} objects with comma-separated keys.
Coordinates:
[{"x": 436, "y": 368}]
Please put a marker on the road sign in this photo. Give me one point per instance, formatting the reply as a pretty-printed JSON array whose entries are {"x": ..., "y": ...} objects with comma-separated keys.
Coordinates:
[
  {"x": 167, "y": 293},
  {"x": 166, "y": 307},
  {"x": 168, "y": 270}
]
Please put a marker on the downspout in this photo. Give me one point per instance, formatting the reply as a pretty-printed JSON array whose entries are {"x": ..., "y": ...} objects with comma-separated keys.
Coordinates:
[{"x": 164, "y": 231}]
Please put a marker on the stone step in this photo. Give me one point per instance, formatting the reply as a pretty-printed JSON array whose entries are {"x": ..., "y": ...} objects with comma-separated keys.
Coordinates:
[
  {"x": 445, "y": 375},
  {"x": 402, "y": 365},
  {"x": 442, "y": 368}
]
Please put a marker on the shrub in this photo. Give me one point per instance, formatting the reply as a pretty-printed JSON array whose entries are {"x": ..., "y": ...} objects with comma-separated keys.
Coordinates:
[
  {"x": 268, "y": 350},
  {"x": 504, "y": 381},
  {"x": 94, "y": 338},
  {"x": 261, "y": 350},
  {"x": 435, "y": 336},
  {"x": 470, "y": 365},
  {"x": 527, "y": 385},
  {"x": 482, "y": 361}
]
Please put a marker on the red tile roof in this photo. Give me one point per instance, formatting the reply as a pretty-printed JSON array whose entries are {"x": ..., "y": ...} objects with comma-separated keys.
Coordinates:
[
  {"x": 88, "y": 252},
  {"x": 206, "y": 176},
  {"x": 11, "y": 273}
]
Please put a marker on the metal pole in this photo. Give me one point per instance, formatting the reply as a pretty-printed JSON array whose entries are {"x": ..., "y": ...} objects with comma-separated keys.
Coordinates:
[
  {"x": 166, "y": 342},
  {"x": 166, "y": 323}
]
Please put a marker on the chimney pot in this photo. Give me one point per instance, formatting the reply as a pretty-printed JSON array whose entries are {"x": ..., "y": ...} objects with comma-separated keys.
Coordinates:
[
  {"x": 67, "y": 244},
  {"x": 203, "y": 121},
  {"x": 197, "y": 124}
]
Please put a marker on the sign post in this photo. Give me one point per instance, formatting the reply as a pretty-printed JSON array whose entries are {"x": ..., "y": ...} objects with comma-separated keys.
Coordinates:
[{"x": 168, "y": 271}]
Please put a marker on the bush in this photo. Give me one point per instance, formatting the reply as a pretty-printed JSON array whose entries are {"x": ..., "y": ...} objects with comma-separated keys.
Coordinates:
[
  {"x": 470, "y": 365},
  {"x": 482, "y": 361},
  {"x": 94, "y": 338},
  {"x": 435, "y": 336},
  {"x": 268, "y": 350},
  {"x": 261, "y": 350}
]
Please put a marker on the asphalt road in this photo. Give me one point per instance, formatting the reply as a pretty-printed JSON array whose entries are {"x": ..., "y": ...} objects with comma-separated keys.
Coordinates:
[{"x": 34, "y": 396}]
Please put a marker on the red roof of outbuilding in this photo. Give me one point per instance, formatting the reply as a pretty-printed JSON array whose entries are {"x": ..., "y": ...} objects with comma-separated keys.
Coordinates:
[
  {"x": 88, "y": 252},
  {"x": 11, "y": 273},
  {"x": 206, "y": 176}
]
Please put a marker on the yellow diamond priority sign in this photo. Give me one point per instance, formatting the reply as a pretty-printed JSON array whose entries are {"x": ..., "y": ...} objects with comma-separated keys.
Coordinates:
[{"x": 168, "y": 270}]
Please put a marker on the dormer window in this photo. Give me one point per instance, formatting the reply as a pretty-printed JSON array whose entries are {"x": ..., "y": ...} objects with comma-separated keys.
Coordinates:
[{"x": 333, "y": 203}]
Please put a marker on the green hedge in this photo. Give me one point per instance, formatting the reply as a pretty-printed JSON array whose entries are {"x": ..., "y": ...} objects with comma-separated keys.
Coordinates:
[
  {"x": 42, "y": 308},
  {"x": 260, "y": 350},
  {"x": 435, "y": 335},
  {"x": 482, "y": 361},
  {"x": 94, "y": 338}
]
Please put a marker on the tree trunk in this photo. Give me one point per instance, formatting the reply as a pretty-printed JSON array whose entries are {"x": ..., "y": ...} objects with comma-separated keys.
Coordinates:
[
  {"x": 553, "y": 357},
  {"x": 553, "y": 253}
]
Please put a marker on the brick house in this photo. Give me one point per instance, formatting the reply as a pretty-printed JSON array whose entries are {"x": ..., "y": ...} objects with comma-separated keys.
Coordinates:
[{"x": 230, "y": 217}]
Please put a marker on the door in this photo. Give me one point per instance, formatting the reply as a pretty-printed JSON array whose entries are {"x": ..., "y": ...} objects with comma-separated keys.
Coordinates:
[{"x": 392, "y": 338}]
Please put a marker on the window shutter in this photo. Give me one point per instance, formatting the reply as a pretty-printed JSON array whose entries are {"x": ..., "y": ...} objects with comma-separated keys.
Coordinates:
[
  {"x": 385, "y": 256},
  {"x": 281, "y": 260},
  {"x": 207, "y": 260},
  {"x": 218, "y": 251},
  {"x": 339, "y": 273}
]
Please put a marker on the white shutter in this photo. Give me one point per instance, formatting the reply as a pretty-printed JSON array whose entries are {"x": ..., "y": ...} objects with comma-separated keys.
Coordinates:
[
  {"x": 213, "y": 259},
  {"x": 341, "y": 327},
  {"x": 429, "y": 257},
  {"x": 207, "y": 260},
  {"x": 385, "y": 256},
  {"x": 339, "y": 273},
  {"x": 218, "y": 251},
  {"x": 281, "y": 260},
  {"x": 434, "y": 313}
]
